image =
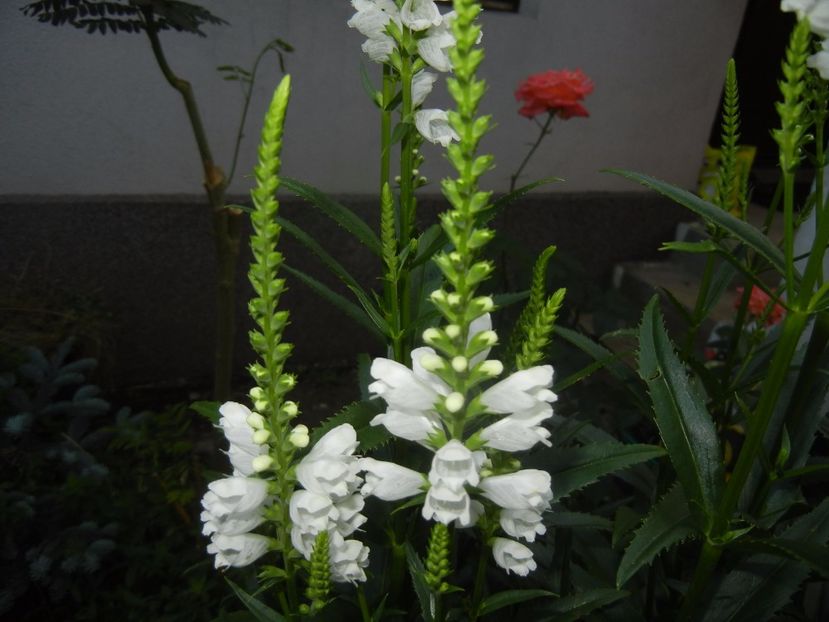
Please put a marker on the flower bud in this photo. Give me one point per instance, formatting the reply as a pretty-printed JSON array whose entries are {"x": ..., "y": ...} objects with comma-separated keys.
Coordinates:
[
  {"x": 485, "y": 303},
  {"x": 454, "y": 299},
  {"x": 299, "y": 436},
  {"x": 431, "y": 335},
  {"x": 260, "y": 437},
  {"x": 438, "y": 295},
  {"x": 262, "y": 463},
  {"x": 256, "y": 393},
  {"x": 491, "y": 368},
  {"x": 256, "y": 421},
  {"x": 260, "y": 405},
  {"x": 488, "y": 337},
  {"x": 455, "y": 256},
  {"x": 453, "y": 331},
  {"x": 460, "y": 364},
  {"x": 454, "y": 402},
  {"x": 432, "y": 362},
  {"x": 290, "y": 409}
]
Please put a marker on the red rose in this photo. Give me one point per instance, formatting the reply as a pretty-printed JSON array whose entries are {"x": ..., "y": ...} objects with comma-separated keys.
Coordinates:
[{"x": 557, "y": 92}]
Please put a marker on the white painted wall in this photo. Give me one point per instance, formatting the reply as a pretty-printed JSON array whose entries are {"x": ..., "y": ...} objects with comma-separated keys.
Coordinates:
[{"x": 91, "y": 114}]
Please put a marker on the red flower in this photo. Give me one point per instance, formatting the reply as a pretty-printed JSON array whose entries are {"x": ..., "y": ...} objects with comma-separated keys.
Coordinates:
[
  {"x": 760, "y": 305},
  {"x": 557, "y": 92}
]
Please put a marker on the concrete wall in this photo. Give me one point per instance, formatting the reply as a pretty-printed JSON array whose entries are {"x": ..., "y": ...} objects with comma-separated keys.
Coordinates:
[{"x": 91, "y": 115}]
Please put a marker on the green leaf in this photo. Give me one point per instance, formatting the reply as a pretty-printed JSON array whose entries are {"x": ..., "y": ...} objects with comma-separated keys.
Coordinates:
[
  {"x": 208, "y": 410},
  {"x": 359, "y": 415},
  {"x": 260, "y": 611},
  {"x": 575, "y": 607},
  {"x": 684, "y": 423},
  {"x": 342, "y": 303},
  {"x": 761, "y": 584},
  {"x": 610, "y": 361},
  {"x": 418, "y": 574},
  {"x": 668, "y": 524},
  {"x": 741, "y": 230},
  {"x": 429, "y": 243},
  {"x": 722, "y": 278},
  {"x": 809, "y": 553},
  {"x": 340, "y": 214},
  {"x": 577, "y": 520},
  {"x": 573, "y": 468},
  {"x": 510, "y": 597},
  {"x": 512, "y": 197},
  {"x": 703, "y": 246}
]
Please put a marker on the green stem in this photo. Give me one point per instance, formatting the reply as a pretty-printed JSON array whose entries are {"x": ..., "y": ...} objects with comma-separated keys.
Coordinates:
[
  {"x": 709, "y": 557},
  {"x": 788, "y": 231},
  {"x": 283, "y": 602},
  {"x": 406, "y": 156},
  {"x": 792, "y": 329},
  {"x": 544, "y": 131},
  {"x": 702, "y": 296},
  {"x": 480, "y": 581},
  {"x": 365, "y": 612},
  {"x": 385, "y": 128},
  {"x": 813, "y": 275}
]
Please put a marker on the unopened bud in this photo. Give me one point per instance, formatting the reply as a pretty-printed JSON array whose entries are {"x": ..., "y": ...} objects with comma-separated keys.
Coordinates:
[
  {"x": 260, "y": 405},
  {"x": 431, "y": 335},
  {"x": 453, "y": 331},
  {"x": 460, "y": 364},
  {"x": 454, "y": 299},
  {"x": 438, "y": 295},
  {"x": 486, "y": 303},
  {"x": 454, "y": 402},
  {"x": 290, "y": 409},
  {"x": 455, "y": 256},
  {"x": 256, "y": 393},
  {"x": 299, "y": 436},
  {"x": 492, "y": 368},
  {"x": 260, "y": 437},
  {"x": 262, "y": 463},
  {"x": 431, "y": 362},
  {"x": 489, "y": 337},
  {"x": 256, "y": 421}
]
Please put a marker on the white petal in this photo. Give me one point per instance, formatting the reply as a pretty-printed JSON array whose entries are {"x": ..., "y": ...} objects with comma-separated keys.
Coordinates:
[
  {"x": 339, "y": 441},
  {"x": 522, "y": 524},
  {"x": 238, "y": 494},
  {"x": 410, "y": 426},
  {"x": 238, "y": 551},
  {"x": 379, "y": 49},
  {"x": 528, "y": 489},
  {"x": 420, "y": 14},
  {"x": 445, "y": 505},
  {"x": 400, "y": 387},
  {"x": 520, "y": 431},
  {"x": 517, "y": 392},
  {"x": 454, "y": 465},
  {"x": 438, "y": 385},
  {"x": 389, "y": 481},
  {"x": 422, "y": 84},
  {"x": 820, "y": 62},
  {"x": 513, "y": 556},
  {"x": 433, "y": 125}
]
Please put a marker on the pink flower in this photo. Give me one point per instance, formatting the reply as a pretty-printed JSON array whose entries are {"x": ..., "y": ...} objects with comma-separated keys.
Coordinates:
[
  {"x": 557, "y": 92},
  {"x": 758, "y": 306}
]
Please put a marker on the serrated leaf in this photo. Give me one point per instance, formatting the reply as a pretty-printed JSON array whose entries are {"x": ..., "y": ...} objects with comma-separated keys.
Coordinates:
[
  {"x": 577, "y": 520},
  {"x": 342, "y": 303},
  {"x": 512, "y": 197},
  {"x": 359, "y": 416},
  {"x": 740, "y": 229},
  {"x": 761, "y": 584},
  {"x": 510, "y": 597},
  {"x": 809, "y": 553},
  {"x": 573, "y": 468},
  {"x": 681, "y": 416},
  {"x": 576, "y": 606},
  {"x": 418, "y": 574},
  {"x": 340, "y": 214},
  {"x": 260, "y": 610},
  {"x": 668, "y": 524}
]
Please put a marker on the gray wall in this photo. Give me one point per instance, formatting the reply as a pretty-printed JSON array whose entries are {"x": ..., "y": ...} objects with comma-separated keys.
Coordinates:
[{"x": 91, "y": 114}]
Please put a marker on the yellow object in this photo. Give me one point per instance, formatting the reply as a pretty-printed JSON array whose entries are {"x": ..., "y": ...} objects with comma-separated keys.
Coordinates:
[{"x": 707, "y": 184}]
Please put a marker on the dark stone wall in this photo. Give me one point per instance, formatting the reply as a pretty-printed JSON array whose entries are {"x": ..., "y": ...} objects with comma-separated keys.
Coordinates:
[{"x": 137, "y": 276}]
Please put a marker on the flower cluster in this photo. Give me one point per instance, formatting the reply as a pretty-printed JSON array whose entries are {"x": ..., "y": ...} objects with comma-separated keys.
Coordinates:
[
  {"x": 556, "y": 92},
  {"x": 817, "y": 12},
  {"x": 417, "y": 28},
  {"x": 330, "y": 501},
  {"x": 420, "y": 404},
  {"x": 234, "y": 506},
  {"x": 761, "y": 307}
]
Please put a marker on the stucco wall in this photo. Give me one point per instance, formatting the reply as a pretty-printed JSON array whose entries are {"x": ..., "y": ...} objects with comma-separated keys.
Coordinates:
[{"x": 91, "y": 115}]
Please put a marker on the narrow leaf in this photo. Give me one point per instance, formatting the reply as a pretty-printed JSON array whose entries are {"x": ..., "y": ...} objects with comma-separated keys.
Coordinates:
[
  {"x": 343, "y": 304},
  {"x": 260, "y": 611},
  {"x": 703, "y": 246},
  {"x": 339, "y": 213},
  {"x": 575, "y": 607},
  {"x": 573, "y": 468},
  {"x": 668, "y": 524},
  {"x": 809, "y": 553},
  {"x": 684, "y": 423},
  {"x": 512, "y": 197},
  {"x": 577, "y": 520},
  {"x": 418, "y": 574},
  {"x": 510, "y": 597},
  {"x": 741, "y": 230}
]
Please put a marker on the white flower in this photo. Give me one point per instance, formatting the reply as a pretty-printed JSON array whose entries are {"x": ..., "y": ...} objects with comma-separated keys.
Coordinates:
[
  {"x": 239, "y": 433},
  {"x": 522, "y": 524},
  {"x": 518, "y": 432},
  {"x": 433, "y": 125},
  {"x": 528, "y": 489},
  {"x": 373, "y": 16},
  {"x": 349, "y": 518},
  {"x": 444, "y": 505},
  {"x": 311, "y": 513},
  {"x": 434, "y": 47},
  {"x": 235, "y": 495},
  {"x": 820, "y": 61},
  {"x": 348, "y": 559},
  {"x": 379, "y": 49},
  {"x": 420, "y": 14},
  {"x": 238, "y": 550},
  {"x": 389, "y": 481},
  {"x": 816, "y": 11},
  {"x": 513, "y": 556},
  {"x": 339, "y": 441},
  {"x": 412, "y": 427},
  {"x": 422, "y": 84},
  {"x": 524, "y": 390},
  {"x": 454, "y": 466},
  {"x": 333, "y": 476}
]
